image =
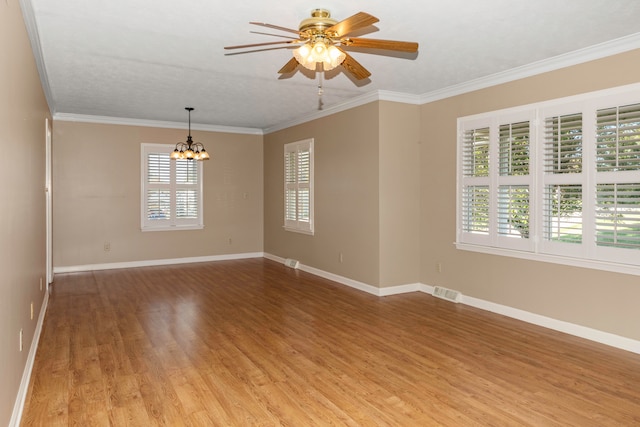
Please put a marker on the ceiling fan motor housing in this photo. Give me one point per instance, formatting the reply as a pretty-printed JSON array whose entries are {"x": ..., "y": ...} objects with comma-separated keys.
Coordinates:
[{"x": 320, "y": 20}]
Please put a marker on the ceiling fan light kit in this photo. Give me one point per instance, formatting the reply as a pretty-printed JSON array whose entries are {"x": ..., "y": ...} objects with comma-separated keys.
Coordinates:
[
  {"x": 309, "y": 56},
  {"x": 323, "y": 41}
]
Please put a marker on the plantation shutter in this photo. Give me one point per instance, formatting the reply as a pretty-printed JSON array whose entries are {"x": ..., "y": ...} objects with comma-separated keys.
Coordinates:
[
  {"x": 158, "y": 188},
  {"x": 298, "y": 191},
  {"x": 514, "y": 183},
  {"x": 475, "y": 172},
  {"x": 172, "y": 190},
  {"x": 563, "y": 181},
  {"x": 554, "y": 181},
  {"x": 563, "y": 144},
  {"x": 187, "y": 194},
  {"x": 617, "y": 211}
]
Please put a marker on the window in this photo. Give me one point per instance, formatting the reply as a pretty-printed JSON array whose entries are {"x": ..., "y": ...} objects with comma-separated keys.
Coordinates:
[
  {"x": 171, "y": 190},
  {"x": 298, "y": 186},
  {"x": 556, "y": 181}
]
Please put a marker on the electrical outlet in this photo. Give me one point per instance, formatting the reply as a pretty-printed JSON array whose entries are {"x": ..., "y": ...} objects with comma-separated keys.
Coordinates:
[
  {"x": 439, "y": 267},
  {"x": 340, "y": 257},
  {"x": 31, "y": 310},
  {"x": 229, "y": 240},
  {"x": 41, "y": 283},
  {"x": 20, "y": 339},
  {"x": 107, "y": 246}
]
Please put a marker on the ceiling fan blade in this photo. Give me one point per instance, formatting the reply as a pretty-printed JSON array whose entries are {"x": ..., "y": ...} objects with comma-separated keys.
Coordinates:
[
  {"x": 241, "y": 46},
  {"x": 353, "y": 23},
  {"x": 380, "y": 44},
  {"x": 275, "y": 27},
  {"x": 354, "y": 67},
  {"x": 244, "y": 52},
  {"x": 274, "y": 35},
  {"x": 289, "y": 66}
]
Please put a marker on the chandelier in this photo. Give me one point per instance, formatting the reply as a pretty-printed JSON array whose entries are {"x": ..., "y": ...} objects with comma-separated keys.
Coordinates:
[{"x": 189, "y": 150}]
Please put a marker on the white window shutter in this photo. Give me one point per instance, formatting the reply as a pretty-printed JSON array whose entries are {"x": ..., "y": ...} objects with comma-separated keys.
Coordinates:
[
  {"x": 172, "y": 190},
  {"x": 555, "y": 181},
  {"x": 298, "y": 186}
]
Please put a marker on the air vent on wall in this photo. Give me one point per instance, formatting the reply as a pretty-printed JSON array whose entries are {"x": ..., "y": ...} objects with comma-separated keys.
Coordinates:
[
  {"x": 448, "y": 294},
  {"x": 293, "y": 263}
]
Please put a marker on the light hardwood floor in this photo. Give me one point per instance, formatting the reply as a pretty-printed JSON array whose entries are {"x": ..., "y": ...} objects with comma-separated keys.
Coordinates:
[{"x": 253, "y": 343}]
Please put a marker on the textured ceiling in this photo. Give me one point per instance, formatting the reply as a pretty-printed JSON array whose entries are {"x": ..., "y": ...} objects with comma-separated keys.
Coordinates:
[{"x": 147, "y": 60}]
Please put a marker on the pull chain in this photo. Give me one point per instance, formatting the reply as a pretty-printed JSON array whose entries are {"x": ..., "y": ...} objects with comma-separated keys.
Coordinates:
[{"x": 320, "y": 90}]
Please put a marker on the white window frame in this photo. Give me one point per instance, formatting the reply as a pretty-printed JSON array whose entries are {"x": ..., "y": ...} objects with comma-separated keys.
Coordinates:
[
  {"x": 293, "y": 221},
  {"x": 585, "y": 254},
  {"x": 171, "y": 223}
]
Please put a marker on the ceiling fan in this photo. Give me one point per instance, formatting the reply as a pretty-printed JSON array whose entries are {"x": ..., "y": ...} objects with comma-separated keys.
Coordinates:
[{"x": 322, "y": 42}]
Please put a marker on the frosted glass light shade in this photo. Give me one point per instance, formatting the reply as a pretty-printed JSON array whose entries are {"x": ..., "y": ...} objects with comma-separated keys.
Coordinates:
[{"x": 309, "y": 56}]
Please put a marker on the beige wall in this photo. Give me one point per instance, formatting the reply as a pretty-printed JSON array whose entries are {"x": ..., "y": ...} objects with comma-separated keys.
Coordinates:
[
  {"x": 399, "y": 194},
  {"x": 366, "y": 194},
  {"x": 346, "y": 195},
  {"x": 97, "y": 195},
  {"x": 23, "y": 110},
  {"x": 591, "y": 298}
]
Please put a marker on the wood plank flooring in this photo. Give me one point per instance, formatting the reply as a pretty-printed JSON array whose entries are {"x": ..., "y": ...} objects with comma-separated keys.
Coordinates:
[{"x": 253, "y": 343}]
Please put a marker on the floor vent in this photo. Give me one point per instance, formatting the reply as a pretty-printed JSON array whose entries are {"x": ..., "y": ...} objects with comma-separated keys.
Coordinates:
[
  {"x": 293, "y": 263},
  {"x": 448, "y": 294}
]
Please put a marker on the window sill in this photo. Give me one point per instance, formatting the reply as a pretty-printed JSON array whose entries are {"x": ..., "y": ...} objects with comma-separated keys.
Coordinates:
[
  {"x": 556, "y": 259},
  {"x": 298, "y": 230},
  {"x": 172, "y": 228}
]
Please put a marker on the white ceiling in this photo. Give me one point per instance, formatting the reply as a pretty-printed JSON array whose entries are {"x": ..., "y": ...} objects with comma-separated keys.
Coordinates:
[{"x": 148, "y": 59}]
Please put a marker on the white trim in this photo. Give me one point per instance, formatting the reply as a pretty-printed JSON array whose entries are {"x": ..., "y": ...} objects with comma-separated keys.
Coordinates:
[
  {"x": 155, "y": 262},
  {"x": 21, "y": 397},
  {"x": 86, "y": 118},
  {"x": 34, "y": 37},
  {"x": 595, "y": 335},
  {"x": 556, "y": 259},
  {"x": 326, "y": 111},
  {"x": 405, "y": 98},
  {"x": 590, "y": 53},
  {"x": 48, "y": 180},
  {"x": 555, "y": 324}
]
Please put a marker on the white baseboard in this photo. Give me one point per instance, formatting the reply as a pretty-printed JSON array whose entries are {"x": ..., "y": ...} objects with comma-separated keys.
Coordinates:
[
  {"x": 350, "y": 282},
  {"x": 555, "y": 324},
  {"x": 536, "y": 319},
  {"x": 155, "y": 262},
  {"x": 18, "y": 407}
]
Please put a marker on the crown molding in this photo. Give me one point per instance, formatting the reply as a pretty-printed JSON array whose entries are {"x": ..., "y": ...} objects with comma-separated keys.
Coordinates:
[
  {"x": 343, "y": 106},
  {"x": 591, "y": 53},
  {"x": 602, "y": 50},
  {"x": 405, "y": 98},
  {"x": 28, "y": 16},
  {"x": 85, "y": 118}
]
